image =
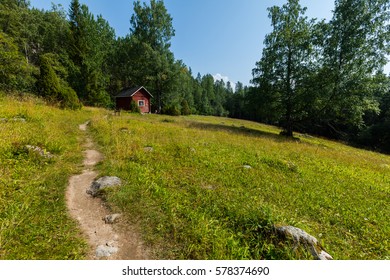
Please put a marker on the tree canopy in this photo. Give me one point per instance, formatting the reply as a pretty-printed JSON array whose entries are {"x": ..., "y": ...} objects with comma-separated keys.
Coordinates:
[{"x": 324, "y": 78}]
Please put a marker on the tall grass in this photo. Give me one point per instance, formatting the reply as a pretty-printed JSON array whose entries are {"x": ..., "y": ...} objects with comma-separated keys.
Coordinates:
[
  {"x": 34, "y": 222},
  {"x": 213, "y": 188}
]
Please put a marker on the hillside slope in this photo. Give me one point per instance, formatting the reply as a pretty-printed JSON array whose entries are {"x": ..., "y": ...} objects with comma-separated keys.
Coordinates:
[
  {"x": 39, "y": 150},
  {"x": 198, "y": 187},
  {"x": 213, "y": 188}
]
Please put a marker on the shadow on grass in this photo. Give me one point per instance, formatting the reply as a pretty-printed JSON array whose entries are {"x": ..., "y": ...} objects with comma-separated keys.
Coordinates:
[{"x": 241, "y": 130}]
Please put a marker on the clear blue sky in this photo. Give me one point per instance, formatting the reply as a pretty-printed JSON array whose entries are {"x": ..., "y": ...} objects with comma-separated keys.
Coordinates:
[{"x": 222, "y": 37}]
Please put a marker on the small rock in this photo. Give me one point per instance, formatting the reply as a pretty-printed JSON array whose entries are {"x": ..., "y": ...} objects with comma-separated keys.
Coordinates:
[
  {"x": 105, "y": 251},
  {"x": 247, "y": 166},
  {"x": 300, "y": 237},
  {"x": 84, "y": 126},
  {"x": 17, "y": 119},
  {"x": 111, "y": 219},
  {"x": 324, "y": 256},
  {"x": 103, "y": 183},
  {"x": 39, "y": 151},
  {"x": 148, "y": 149},
  {"x": 208, "y": 187}
]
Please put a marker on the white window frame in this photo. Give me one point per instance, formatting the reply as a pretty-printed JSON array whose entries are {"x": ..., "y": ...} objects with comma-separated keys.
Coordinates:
[{"x": 141, "y": 103}]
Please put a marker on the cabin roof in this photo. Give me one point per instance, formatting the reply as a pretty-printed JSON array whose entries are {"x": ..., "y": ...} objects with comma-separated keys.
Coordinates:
[{"x": 129, "y": 92}]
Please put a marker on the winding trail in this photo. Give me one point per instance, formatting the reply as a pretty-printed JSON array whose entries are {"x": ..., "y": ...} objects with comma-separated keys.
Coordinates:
[{"x": 107, "y": 241}]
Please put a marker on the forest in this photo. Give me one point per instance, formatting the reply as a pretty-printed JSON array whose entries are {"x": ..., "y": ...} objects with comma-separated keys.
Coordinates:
[{"x": 313, "y": 76}]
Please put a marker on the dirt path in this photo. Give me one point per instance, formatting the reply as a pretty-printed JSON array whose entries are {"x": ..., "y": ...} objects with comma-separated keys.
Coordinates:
[{"x": 107, "y": 241}]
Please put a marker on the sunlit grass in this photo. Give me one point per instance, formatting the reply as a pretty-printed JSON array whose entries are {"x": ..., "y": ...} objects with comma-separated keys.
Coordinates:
[
  {"x": 198, "y": 187},
  {"x": 189, "y": 186},
  {"x": 34, "y": 222}
]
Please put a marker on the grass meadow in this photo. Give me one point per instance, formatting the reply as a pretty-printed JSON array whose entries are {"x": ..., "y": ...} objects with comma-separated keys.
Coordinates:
[
  {"x": 196, "y": 187},
  {"x": 34, "y": 222},
  {"x": 213, "y": 188}
]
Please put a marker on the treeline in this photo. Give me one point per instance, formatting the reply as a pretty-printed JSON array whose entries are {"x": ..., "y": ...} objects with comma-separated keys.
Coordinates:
[
  {"x": 318, "y": 77},
  {"x": 64, "y": 58},
  {"x": 71, "y": 57},
  {"x": 327, "y": 78}
]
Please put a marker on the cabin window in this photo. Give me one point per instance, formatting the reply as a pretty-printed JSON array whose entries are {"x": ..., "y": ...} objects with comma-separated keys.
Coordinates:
[{"x": 141, "y": 103}]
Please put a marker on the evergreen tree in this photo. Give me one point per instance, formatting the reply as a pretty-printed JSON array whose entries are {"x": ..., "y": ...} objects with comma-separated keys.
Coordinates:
[
  {"x": 48, "y": 84},
  {"x": 197, "y": 93},
  {"x": 208, "y": 95},
  {"x": 220, "y": 98},
  {"x": 91, "y": 42}
]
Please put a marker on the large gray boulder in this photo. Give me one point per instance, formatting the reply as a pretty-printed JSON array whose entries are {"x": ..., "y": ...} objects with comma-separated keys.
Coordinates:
[
  {"x": 103, "y": 183},
  {"x": 302, "y": 238}
]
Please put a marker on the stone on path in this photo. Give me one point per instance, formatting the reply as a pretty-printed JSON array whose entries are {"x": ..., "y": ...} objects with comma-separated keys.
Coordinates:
[
  {"x": 103, "y": 183},
  {"x": 84, "y": 126},
  {"x": 111, "y": 219},
  {"x": 105, "y": 251}
]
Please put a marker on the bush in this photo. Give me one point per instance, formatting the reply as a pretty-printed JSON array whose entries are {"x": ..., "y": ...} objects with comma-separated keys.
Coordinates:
[
  {"x": 53, "y": 88},
  {"x": 134, "y": 107},
  {"x": 185, "y": 108},
  {"x": 171, "y": 110},
  {"x": 69, "y": 99},
  {"x": 48, "y": 84}
]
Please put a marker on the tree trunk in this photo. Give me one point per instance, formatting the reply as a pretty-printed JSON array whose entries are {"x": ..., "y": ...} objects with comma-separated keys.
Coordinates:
[{"x": 288, "y": 126}]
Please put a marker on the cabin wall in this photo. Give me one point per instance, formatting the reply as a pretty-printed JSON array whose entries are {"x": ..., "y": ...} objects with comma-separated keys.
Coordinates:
[
  {"x": 123, "y": 103},
  {"x": 140, "y": 95}
]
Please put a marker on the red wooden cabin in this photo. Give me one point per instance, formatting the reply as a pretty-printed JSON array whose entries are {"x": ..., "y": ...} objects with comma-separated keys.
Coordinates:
[{"x": 139, "y": 95}]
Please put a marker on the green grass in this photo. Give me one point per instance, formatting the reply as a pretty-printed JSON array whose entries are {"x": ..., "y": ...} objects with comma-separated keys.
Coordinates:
[
  {"x": 34, "y": 222},
  {"x": 193, "y": 198},
  {"x": 190, "y": 194}
]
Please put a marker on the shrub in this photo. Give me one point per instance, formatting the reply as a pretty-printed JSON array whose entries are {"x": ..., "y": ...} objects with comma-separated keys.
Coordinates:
[
  {"x": 69, "y": 99},
  {"x": 53, "y": 88},
  {"x": 134, "y": 107},
  {"x": 171, "y": 110},
  {"x": 48, "y": 84},
  {"x": 185, "y": 108}
]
